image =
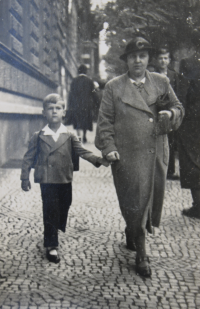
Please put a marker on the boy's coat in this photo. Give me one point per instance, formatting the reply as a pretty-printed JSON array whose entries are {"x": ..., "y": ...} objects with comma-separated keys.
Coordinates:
[{"x": 53, "y": 159}]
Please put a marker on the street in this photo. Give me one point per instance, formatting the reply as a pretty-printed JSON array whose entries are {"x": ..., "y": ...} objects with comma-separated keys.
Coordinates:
[{"x": 96, "y": 271}]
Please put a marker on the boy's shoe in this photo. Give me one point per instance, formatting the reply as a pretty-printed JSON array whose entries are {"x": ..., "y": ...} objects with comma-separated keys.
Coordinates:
[{"x": 52, "y": 258}]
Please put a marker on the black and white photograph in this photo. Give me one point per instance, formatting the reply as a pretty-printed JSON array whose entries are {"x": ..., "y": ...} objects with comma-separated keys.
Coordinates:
[{"x": 100, "y": 154}]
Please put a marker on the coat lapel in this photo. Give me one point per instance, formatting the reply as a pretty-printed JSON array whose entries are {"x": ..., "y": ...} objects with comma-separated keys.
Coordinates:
[
  {"x": 150, "y": 88},
  {"x": 55, "y": 145},
  {"x": 133, "y": 97}
]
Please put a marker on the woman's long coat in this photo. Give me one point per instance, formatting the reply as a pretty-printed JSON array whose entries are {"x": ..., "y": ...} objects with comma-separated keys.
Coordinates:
[{"x": 127, "y": 123}]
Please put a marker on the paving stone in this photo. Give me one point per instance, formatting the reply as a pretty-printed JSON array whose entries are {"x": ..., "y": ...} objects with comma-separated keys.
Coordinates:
[{"x": 96, "y": 270}]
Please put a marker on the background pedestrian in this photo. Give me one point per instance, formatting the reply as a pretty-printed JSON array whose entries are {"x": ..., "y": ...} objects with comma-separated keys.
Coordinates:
[
  {"x": 81, "y": 102},
  {"x": 189, "y": 132},
  {"x": 163, "y": 59}
]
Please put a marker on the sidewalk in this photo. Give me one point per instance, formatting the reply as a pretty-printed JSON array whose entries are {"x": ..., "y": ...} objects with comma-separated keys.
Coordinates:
[{"x": 96, "y": 270}]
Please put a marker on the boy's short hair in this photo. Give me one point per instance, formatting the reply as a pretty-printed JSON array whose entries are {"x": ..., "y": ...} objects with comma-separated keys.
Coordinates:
[
  {"x": 163, "y": 50},
  {"x": 53, "y": 98}
]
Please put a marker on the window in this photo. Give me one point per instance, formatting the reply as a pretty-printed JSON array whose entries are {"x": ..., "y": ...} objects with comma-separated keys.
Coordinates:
[{"x": 70, "y": 6}]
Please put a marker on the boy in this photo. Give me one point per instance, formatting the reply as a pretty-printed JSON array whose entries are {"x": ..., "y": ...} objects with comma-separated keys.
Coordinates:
[{"x": 50, "y": 152}]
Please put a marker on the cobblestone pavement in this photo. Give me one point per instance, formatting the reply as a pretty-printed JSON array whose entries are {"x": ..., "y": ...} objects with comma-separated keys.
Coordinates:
[{"x": 96, "y": 270}]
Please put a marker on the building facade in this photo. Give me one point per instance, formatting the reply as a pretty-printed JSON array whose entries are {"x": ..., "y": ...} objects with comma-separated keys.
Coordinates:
[{"x": 40, "y": 49}]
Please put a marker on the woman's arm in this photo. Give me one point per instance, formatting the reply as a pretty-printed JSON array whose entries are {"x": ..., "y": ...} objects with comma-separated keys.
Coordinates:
[
  {"x": 176, "y": 108},
  {"x": 105, "y": 125},
  {"x": 169, "y": 119}
]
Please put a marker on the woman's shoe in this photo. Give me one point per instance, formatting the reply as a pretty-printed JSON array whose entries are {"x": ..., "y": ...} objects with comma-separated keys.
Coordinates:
[
  {"x": 51, "y": 257},
  {"x": 84, "y": 140},
  {"x": 192, "y": 212},
  {"x": 142, "y": 266}
]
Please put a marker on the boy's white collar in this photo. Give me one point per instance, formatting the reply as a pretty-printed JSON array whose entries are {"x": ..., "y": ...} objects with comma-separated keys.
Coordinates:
[{"x": 48, "y": 131}]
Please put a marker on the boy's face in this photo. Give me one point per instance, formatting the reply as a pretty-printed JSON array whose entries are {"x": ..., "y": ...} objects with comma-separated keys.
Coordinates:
[
  {"x": 163, "y": 61},
  {"x": 54, "y": 112}
]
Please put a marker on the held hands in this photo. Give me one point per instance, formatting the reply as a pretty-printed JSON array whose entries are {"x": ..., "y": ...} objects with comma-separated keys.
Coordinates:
[
  {"x": 102, "y": 161},
  {"x": 113, "y": 156},
  {"x": 26, "y": 185}
]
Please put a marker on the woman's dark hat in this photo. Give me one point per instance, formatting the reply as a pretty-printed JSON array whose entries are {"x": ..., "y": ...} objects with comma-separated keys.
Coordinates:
[{"x": 137, "y": 44}]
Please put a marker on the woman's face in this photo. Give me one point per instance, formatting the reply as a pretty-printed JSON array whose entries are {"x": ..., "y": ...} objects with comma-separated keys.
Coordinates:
[{"x": 137, "y": 63}]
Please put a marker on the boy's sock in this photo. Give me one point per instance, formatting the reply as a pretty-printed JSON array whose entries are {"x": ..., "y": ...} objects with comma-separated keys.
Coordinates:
[{"x": 52, "y": 251}]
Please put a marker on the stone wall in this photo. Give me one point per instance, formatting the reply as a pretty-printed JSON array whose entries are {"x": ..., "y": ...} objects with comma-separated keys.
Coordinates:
[{"x": 37, "y": 57}]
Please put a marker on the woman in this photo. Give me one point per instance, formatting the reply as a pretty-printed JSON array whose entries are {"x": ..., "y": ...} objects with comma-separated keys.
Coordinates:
[
  {"x": 131, "y": 132},
  {"x": 81, "y": 102}
]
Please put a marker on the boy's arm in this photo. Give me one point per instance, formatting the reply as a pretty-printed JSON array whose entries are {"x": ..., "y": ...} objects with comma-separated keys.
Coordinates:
[
  {"x": 86, "y": 154},
  {"x": 26, "y": 185},
  {"x": 29, "y": 157}
]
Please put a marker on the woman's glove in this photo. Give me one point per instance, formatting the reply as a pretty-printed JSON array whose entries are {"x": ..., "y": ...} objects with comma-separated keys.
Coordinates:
[
  {"x": 113, "y": 156},
  {"x": 163, "y": 126}
]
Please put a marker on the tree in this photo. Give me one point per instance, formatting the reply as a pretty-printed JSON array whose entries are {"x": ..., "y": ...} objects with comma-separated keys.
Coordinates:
[{"x": 160, "y": 21}]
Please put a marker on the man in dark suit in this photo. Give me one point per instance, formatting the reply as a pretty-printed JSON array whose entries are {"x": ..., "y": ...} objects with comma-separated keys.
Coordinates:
[
  {"x": 163, "y": 59},
  {"x": 81, "y": 101},
  {"x": 189, "y": 132}
]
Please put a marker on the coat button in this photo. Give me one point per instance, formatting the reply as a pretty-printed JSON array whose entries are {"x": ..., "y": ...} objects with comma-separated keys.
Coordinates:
[{"x": 151, "y": 119}]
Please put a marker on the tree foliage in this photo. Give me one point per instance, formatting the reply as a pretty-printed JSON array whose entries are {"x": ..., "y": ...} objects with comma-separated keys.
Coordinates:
[{"x": 161, "y": 21}]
